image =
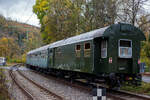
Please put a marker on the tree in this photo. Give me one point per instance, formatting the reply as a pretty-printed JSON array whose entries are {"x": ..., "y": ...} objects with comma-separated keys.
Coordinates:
[
  {"x": 100, "y": 13},
  {"x": 64, "y": 18},
  {"x": 17, "y": 38},
  {"x": 144, "y": 24},
  {"x": 8, "y": 47},
  {"x": 34, "y": 41},
  {"x": 40, "y": 8},
  {"x": 58, "y": 20},
  {"x": 130, "y": 10},
  {"x": 2, "y": 20}
]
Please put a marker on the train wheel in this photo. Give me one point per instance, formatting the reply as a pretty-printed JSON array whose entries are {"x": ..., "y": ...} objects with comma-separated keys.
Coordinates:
[{"x": 114, "y": 82}]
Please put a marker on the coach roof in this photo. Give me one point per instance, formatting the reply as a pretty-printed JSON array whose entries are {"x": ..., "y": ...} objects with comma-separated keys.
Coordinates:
[
  {"x": 79, "y": 38},
  {"x": 108, "y": 31},
  {"x": 83, "y": 37}
]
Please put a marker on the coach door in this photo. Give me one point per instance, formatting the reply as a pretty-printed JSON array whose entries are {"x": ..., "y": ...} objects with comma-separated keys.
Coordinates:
[
  {"x": 100, "y": 55},
  {"x": 103, "y": 55},
  {"x": 51, "y": 57}
]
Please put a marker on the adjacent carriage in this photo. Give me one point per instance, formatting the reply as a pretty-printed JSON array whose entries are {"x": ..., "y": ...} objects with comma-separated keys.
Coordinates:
[
  {"x": 110, "y": 53},
  {"x": 2, "y": 61}
]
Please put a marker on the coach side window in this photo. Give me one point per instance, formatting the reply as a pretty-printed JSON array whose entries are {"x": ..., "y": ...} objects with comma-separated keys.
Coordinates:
[
  {"x": 87, "y": 50},
  {"x": 87, "y": 46},
  {"x": 78, "y": 47},
  {"x": 78, "y": 50},
  {"x": 104, "y": 49}
]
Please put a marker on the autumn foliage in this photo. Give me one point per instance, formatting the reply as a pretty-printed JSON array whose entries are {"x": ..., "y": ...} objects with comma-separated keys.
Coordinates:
[
  {"x": 16, "y": 39},
  {"x": 61, "y": 19}
]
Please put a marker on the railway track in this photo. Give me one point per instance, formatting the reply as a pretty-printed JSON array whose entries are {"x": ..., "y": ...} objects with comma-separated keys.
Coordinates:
[
  {"x": 24, "y": 91},
  {"x": 47, "y": 93},
  {"x": 111, "y": 94},
  {"x": 80, "y": 87},
  {"x": 123, "y": 95}
]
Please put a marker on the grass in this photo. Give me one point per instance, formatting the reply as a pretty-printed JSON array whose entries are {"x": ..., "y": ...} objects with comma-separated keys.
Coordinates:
[
  {"x": 16, "y": 61},
  {"x": 3, "y": 90},
  {"x": 143, "y": 89}
]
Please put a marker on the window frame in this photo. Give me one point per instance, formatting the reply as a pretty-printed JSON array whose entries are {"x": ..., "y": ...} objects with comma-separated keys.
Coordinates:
[
  {"x": 124, "y": 47},
  {"x": 84, "y": 46},
  {"x": 76, "y": 47},
  {"x": 104, "y": 48}
]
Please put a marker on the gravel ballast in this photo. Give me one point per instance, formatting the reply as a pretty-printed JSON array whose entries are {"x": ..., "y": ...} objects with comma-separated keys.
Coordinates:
[
  {"x": 67, "y": 92},
  {"x": 14, "y": 91}
]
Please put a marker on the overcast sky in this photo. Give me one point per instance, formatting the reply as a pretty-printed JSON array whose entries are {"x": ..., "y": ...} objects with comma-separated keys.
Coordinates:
[{"x": 20, "y": 10}]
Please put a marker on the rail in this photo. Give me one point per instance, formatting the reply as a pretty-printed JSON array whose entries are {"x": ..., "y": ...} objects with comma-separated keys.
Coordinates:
[
  {"x": 114, "y": 94},
  {"x": 124, "y": 95},
  {"x": 41, "y": 87},
  {"x": 28, "y": 94}
]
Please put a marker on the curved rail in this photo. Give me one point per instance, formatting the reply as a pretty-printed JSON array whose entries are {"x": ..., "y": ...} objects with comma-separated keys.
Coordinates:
[
  {"x": 41, "y": 87},
  {"x": 123, "y": 95},
  {"x": 72, "y": 84},
  {"x": 114, "y": 94},
  {"x": 117, "y": 95},
  {"x": 28, "y": 94}
]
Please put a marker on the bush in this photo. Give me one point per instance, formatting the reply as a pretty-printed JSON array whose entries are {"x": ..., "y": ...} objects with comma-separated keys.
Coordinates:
[
  {"x": 143, "y": 89},
  {"x": 17, "y": 60}
]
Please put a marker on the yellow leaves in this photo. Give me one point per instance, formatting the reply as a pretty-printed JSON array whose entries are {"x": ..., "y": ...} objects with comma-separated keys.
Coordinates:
[
  {"x": 68, "y": 3},
  {"x": 45, "y": 19},
  {"x": 8, "y": 47},
  {"x": 58, "y": 18},
  {"x": 3, "y": 46},
  {"x": 44, "y": 3},
  {"x": 4, "y": 40},
  {"x": 23, "y": 59},
  {"x": 41, "y": 6},
  {"x": 2, "y": 20}
]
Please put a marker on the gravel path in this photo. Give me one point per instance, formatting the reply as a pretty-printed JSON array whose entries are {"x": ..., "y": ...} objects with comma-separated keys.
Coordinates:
[{"x": 68, "y": 92}]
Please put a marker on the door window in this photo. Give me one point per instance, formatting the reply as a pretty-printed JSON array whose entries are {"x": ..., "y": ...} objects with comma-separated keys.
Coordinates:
[{"x": 104, "y": 49}]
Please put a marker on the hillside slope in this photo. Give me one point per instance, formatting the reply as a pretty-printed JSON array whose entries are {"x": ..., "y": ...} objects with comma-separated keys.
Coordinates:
[{"x": 17, "y": 38}]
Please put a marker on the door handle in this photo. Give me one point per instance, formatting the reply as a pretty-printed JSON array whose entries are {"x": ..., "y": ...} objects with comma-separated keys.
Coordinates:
[{"x": 100, "y": 60}]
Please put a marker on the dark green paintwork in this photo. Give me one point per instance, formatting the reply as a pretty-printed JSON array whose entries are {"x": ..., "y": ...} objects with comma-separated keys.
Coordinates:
[
  {"x": 113, "y": 34},
  {"x": 65, "y": 58}
]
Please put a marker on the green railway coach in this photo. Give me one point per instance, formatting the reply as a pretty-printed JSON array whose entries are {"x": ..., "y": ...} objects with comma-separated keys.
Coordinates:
[{"x": 112, "y": 52}]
